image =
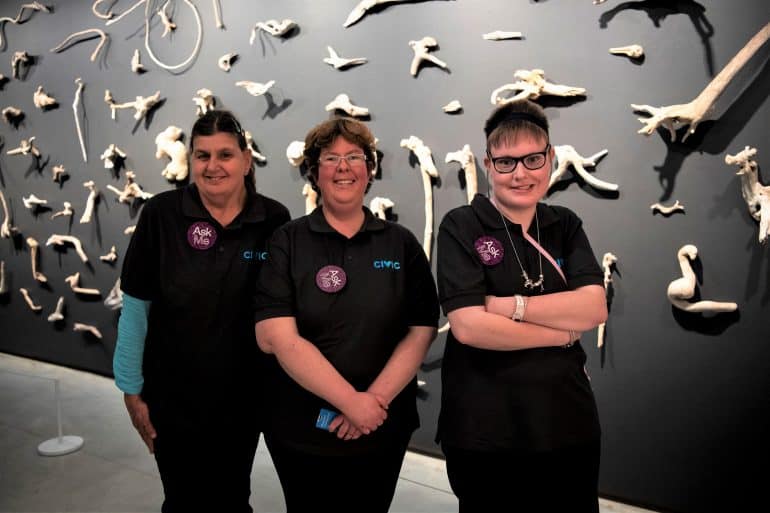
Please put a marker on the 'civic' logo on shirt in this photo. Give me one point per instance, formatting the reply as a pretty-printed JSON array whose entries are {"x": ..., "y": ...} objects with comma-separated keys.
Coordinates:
[
  {"x": 201, "y": 235},
  {"x": 387, "y": 264},
  {"x": 255, "y": 255}
]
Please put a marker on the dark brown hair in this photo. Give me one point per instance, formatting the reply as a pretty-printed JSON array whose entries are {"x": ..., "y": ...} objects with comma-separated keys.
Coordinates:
[
  {"x": 223, "y": 121},
  {"x": 508, "y": 121}
]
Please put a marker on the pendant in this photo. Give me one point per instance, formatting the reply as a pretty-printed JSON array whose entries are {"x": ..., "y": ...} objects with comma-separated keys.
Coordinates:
[{"x": 529, "y": 284}]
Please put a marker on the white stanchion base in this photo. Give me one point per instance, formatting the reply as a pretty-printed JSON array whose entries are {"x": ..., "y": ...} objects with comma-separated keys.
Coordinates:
[{"x": 60, "y": 446}]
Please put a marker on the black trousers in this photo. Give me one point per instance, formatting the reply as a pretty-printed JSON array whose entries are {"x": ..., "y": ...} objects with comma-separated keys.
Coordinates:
[
  {"x": 205, "y": 471},
  {"x": 339, "y": 483},
  {"x": 563, "y": 480}
]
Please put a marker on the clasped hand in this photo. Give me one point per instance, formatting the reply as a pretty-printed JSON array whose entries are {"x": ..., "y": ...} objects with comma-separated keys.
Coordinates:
[{"x": 365, "y": 412}]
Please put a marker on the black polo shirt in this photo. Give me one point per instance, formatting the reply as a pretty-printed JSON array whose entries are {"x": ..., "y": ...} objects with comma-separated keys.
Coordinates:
[
  {"x": 531, "y": 399},
  {"x": 201, "y": 362},
  {"x": 388, "y": 288}
]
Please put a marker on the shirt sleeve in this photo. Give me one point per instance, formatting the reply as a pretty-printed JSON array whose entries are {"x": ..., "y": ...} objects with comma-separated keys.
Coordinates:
[
  {"x": 581, "y": 267},
  {"x": 140, "y": 273},
  {"x": 274, "y": 296},
  {"x": 129, "y": 349},
  {"x": 423, "y": 308},
  {"x": 461, "y": 280}
]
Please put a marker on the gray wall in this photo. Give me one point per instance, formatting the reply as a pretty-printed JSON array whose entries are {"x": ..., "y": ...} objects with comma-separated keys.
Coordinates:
[{"x": 683, "y": 398}]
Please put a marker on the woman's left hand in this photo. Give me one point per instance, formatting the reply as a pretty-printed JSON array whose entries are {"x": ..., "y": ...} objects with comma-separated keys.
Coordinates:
[{"x": 345, "y": 429}]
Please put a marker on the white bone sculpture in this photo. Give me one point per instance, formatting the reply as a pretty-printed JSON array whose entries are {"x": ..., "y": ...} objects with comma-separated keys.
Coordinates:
[
  {"x": 421, "y": 49},
  {"x": 682, "y": 289},
  {"x": 74, "y": 282},
  {"x": 58, "y": 313},
  {"x": 19, "y": 58},
  {"x": 499, "y": 35},
  {"x": 226, "y": 61},
  {"x": 60, "y": 240},
  {"x": 66, "y": 211},
  {"x": 130, "y": 190},
  {"x": 111, "y": 256},
  {"x": 147, "y": 17},
  {"x": 273, "y": 27},
  {"x": 255, "y": 88},
  {"x": 167, "y": 144},
  {"x": 112, "y": 155},
  {"x": 428, "y": 170},
  {"x": 141, "y": 105},
  {"x": 26, "y": 147},
  {"x": 311, "y": 198},
  {"x": 567, "y": 156},
  {"x": 379, "y": 206},
  {"x": 674, "y": 116},
  {"x": 342, "y": 102},
  {"x": 93, "y": 330},
  {"x": 3, "y": 286},
  {"x": 78, "y": 94},
  {"x": 33, "y": 6},
  {"x": 93, "y": 192},
  {"x": 32, "y": 202},
  {"x": 58, "y": 172},
  {"x": 168, "y": 25},
  {"x": 632, "y": 51},
  {"x": 340, "y": 62},
  {"x": 129, "y": 229},
  {"x": 42, "y": 100},
  {"x": 363, "y": 6},
  {"x": 295, "y": 153},
  {"x": 114, "y": 300},
  {"x": 453, "y": 106},
  {"x": 103, "y": 15},
  {"x": 11, "y": 113},
  {"x": 33, "y": 249},
  {"x": 756, "y": 195},
  {"x": 252, "y": 146},
  {"x": 531, "y": 84},
  {"x": 6, "y": 229},
  {"x": 136, "y": 62},
  {"x": 465, "y": 158},
  {"x": 29, "y": 301},
  {"x": 204, "y": 101},
  {"x": 99, "y": 32},
  {"x": 608, "y": 263},
  {"x": 217, "y": 14},
  {"x": 667, "y": 210}
]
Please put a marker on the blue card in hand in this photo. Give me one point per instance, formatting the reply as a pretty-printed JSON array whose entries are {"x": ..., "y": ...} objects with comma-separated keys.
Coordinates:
[{"x": 325, "y": 417}]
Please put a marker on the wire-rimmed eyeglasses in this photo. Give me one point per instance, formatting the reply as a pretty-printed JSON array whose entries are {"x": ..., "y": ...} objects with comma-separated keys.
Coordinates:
[
  {"x": 532, "y": 162},
  {"x": 353, "y": 160}
]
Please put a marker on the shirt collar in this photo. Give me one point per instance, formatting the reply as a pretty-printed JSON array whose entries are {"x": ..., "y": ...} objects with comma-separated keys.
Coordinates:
[
  {"x": 318, "y": 223},
  {"x": 490, "y": 216},
  {"x": 192, "y": 206}
]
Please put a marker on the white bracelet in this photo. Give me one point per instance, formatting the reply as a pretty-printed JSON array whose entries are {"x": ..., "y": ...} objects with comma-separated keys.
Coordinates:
[{"x": 521, "y": 306}]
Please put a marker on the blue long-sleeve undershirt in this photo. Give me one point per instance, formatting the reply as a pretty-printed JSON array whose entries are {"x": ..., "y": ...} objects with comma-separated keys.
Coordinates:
[{"x": 129, "y": 349}]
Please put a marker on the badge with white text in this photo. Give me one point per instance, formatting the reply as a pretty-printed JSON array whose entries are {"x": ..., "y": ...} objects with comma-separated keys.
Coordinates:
[
  {"x": 331, "y": 279},
  {"x": 489, "y": 249},
  {"x": 201, "y": 235}
]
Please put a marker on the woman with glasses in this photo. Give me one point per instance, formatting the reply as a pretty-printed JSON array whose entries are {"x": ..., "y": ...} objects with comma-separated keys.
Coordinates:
[
  {"x": 347, "y": 305},
  {"x": 519, "y": 283}
]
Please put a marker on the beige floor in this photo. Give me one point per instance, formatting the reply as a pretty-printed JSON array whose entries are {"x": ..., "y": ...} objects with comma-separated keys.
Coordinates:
[{"x": 113, "y": 472}]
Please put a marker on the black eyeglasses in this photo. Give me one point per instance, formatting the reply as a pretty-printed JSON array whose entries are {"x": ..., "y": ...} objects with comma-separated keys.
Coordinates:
[{"x": 532, "y": 162}]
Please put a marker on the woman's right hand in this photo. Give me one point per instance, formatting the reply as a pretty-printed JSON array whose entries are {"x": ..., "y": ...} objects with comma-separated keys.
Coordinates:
[
  {"x": 367, "y": 411},
  {"x": 140, "y": 418}
]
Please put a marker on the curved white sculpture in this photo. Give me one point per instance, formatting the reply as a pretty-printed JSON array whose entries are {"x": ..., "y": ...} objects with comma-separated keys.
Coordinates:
[
  {"x": 6, "y": 229},
  {"x": 226, "y": 61},
  {"x": 608, "y": 263},
  {"x": 19, "y": 58},
  {"x": 168, "y": 25},
  {"x": 531, "y": 84},
  {"x": 465, "y": 158},
  {"x": 93, "y": 330},
  {"x": 32, "y": 6},
  {"x": 499, "y": 35},
  {"x": 567, "y": 156},
  {"x": 3, "y": 286},
  {"x": 756, "y": 195},
  {"x": 167, "y": 144},
  {"x": 130, "y": 190},
  {"x": 12, "y": 114},
  {"x": 111, "y": 256},
  {"x": 421, "y": 49},
  {"x": 58, "y": 314},
  {"x": 33, "y": 249},
  {"x": 26, "y": 146},
  {"x": 255, "y": 88},
  {"x": 633, "y": 51},
  {"x": 94, "y": 31},
  {"x": 428, "y": 171},
  {"x": 273, "y": 27},
  {"x": 114, "y": 300},
  {"x": 74, "y": 282},
  {"x": 29, "y": 301},
  {"x": 342, "y": 102},
  {"x": 453, "y": 106},
  {"x": 112, "y": 155},
  {"x": 60, "y": 240},
  {"x": 691, "y": 114},
  {"x": 379, "y": 206},
  {"x": 65, "y": 212},
  {"x": 75, "y": 102},
  {"x": 141, "y": 105},
  {"x": 103, "y": 15},
  {"x": 667, "y": 210},
  {"x": 339, "y": 62},
  {"x": 253, "y": 147},
  {"x": 58, "y": 172},
  {"x": 363, "y": 6},
  {"x": 43, "y": 100},
  {"x": 136, "y": 62},
  {"x": 93, "y": 192},
  {"x": 682, "y": 289},
  {"x": 204, "y": 101},
  {"x": 311, "y": 198},
  {"x": 295, "y": 153},
  {"x": 218, "y": 14}
]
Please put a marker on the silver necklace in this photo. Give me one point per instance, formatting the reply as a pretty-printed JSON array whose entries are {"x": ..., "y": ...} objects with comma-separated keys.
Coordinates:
[{"x": 528, "y": 283}]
